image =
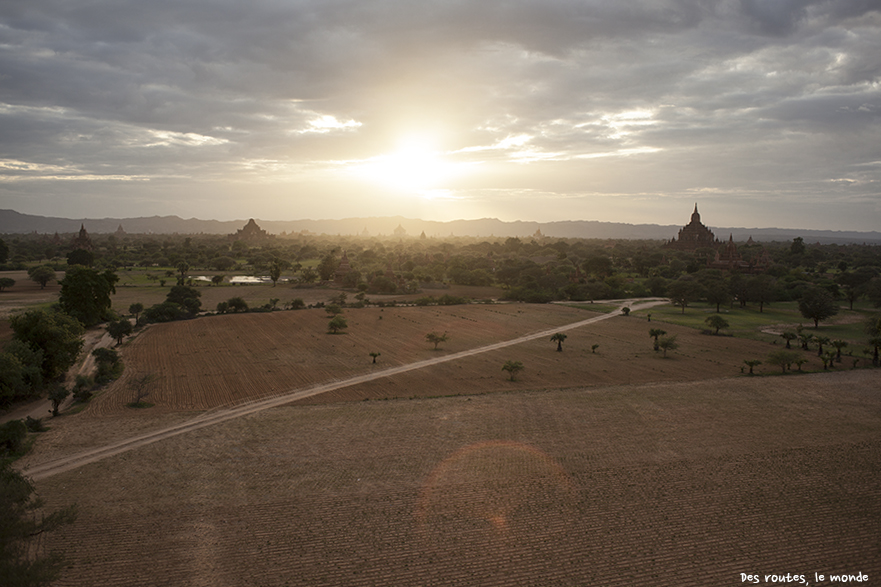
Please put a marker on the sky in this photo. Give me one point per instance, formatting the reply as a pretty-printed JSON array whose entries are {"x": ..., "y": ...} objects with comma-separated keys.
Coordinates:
[{"x": 764, "y": 113}]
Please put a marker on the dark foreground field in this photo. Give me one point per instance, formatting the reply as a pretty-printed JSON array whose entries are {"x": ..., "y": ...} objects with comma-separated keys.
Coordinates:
[{"x": 657, "y": 484}]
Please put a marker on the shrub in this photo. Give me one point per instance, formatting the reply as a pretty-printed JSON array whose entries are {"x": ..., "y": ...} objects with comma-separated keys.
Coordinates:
[
  {"x": 35, "y": 425},
  {"x": 12, "y": 435}
]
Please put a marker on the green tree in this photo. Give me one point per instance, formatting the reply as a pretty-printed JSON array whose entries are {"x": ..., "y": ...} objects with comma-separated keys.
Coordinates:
[
  {"x": 839, "y": 344},
  {"x": 182, "y": 268},
  {"x": 435, "y": 338},
  {"x": 57, "y": 336},
  {"x": 788, "y": 336},
  {"x": 783, "y": 358},
  {"x": 751, "y": 363},
  {"x": 655, "y": 333},
  {"x": 817, "y": 304},
  {"x": 186, "y": 297},
  {"x": 85, "y": 294},
  {"x": 716, "y": 321},
  {"x": 119, "y": 329},
  {"x": 683, "y": 291},
  {"x": 275, "y": 268},
  {"x": 135, "y": 310},
  {"x": 513, "y": 368},
  {"x": 237, "y": 304},
  {"x": 6, "y": 283},
  {"x": 327, "y": 267},
  {"x": 22, "y": 528},
  {"x": 374, "y": 355},
  {"x": 57, "y": 394},
  {"x": 668, "y": 343},
  {"x": 41, "y": 274},
  {"x": 80, "y": 257},
  {"x": 559, "y": 338},
  {"x": 762, "y": 289},
  {"x": 337, "y": 324},
  {"x": 4, "y": 251}
]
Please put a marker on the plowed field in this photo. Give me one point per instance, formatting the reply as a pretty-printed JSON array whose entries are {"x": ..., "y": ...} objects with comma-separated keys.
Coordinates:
[
  {"x": 661, "y": 484},
  {"x": 225, "y": 360}
]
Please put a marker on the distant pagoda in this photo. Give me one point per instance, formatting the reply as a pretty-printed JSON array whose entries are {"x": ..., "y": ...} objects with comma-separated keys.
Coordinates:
[
  {"x": 694, "y": 235},
  {"x": 250, "y": 233},
  {"x": 82, "y": 240}
]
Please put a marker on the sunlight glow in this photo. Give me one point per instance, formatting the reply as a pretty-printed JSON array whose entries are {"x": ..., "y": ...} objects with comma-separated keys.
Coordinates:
[{"x": 414, "y": 166}]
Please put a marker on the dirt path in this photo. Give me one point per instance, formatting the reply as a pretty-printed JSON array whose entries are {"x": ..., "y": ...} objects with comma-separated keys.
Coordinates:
[{"x": 213, "y": 417}]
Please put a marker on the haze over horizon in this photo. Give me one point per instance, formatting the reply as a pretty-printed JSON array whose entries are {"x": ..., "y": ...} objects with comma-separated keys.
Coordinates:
[{"x": 767, "y": 113}]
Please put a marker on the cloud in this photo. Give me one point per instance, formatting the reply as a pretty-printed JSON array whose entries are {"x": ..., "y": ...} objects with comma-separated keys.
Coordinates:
[{"x": 566, "y": 97}]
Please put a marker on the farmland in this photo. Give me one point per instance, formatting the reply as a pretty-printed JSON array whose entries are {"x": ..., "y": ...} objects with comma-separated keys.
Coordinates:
[{"x": 665, "y": 483}]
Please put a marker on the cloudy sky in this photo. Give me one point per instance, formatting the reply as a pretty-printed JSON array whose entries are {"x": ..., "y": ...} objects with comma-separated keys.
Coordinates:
[{"x": 764, "y": 112}]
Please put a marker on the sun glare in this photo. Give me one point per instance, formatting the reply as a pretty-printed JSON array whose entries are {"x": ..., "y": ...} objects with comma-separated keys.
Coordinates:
[{"x": 414, "y": 166}]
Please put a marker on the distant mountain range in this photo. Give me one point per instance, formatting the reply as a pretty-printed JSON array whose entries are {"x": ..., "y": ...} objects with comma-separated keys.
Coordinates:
[{"x": 12, "y": 222}]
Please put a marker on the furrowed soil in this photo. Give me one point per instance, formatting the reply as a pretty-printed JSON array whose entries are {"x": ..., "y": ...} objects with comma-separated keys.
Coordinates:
[
  {"x": 606, "y": 466},
  {"x": 686, "y": 483}
]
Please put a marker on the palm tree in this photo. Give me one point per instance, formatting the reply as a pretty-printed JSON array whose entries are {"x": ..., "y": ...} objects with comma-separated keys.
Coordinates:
[
  {"x": 839, "y": 344},
  {"x": 655, "y": 333},
  {"x": 821, "y": 340},
  {"x": 788, "y": 336},
  {"x": 559, "y": 338},
  {"x": 374, "y": 355}
]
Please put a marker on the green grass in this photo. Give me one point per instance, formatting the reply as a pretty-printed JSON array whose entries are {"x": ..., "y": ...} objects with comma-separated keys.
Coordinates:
[{"x": 749, "y": 322}]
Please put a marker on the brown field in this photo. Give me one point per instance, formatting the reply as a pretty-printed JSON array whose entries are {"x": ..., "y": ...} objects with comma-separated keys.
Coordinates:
[
  {"x": 224, "y": 360},
  {"x": 617, "y": 467},
  {"x": 672, "y": 483}
]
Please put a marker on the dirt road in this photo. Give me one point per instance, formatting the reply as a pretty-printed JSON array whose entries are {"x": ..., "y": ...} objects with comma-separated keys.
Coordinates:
[{"x": 211, "y": 418}]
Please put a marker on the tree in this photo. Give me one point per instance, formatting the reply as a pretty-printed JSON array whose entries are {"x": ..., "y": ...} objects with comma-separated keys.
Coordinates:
[
  {"x": 435, "y": 338},
  {"x": 4, "y": 251},
  {"x": 717, "y": 293},
  {"x": 57, "y": 394},
  {"x": 333, "y": 309},
  {"x": 80, "y": 257},
  {"x": 716, "y": 321},
  {"x": 6, "y": 283},
  {"x": 217, "y": 280},
  {"x": 182, "y": 268},
  {"x": 142, "y": 386},
  {"x": 119, "y": 329},
  {"x": 374, "y": 355},
  {"x": 297, "y": 304},
  {"x": 54, "y": 334},
  {"x": 788, "y": 336},
  {"x": 817, "y": 304},
  {"x": 237, "y": 304},
  {"x": 513, "y": 367},
  {"x": 22, "y": 530},
  {"x": 337, "y": 324},
  {"x": 593, "y": 348},
  {"x": 41, "y": 274},
  {"x": 762, "y": 289},
  {"x": 655, "y": 333},
  {"x": 85, "y": 294},
  {"x": 821, "y": 340},
  {"x": 135, "y": 310},
  {"x": 684, "y": 291},
  {"x": 559, "y": 338},
  {"x": 783, "y": 358},
  {"x": 668, "y": 343},
  {"x": 186, "y": 297},
  {"x": 839, "y": 344},
  {"x": 327, "y": 267},
  {"x": 275, "y": 268},
  {"x": 752, "y": 364}
]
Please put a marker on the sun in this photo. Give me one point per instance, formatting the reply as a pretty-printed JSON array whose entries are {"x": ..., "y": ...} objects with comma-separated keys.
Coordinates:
[{"x": 415, "y": 165}]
